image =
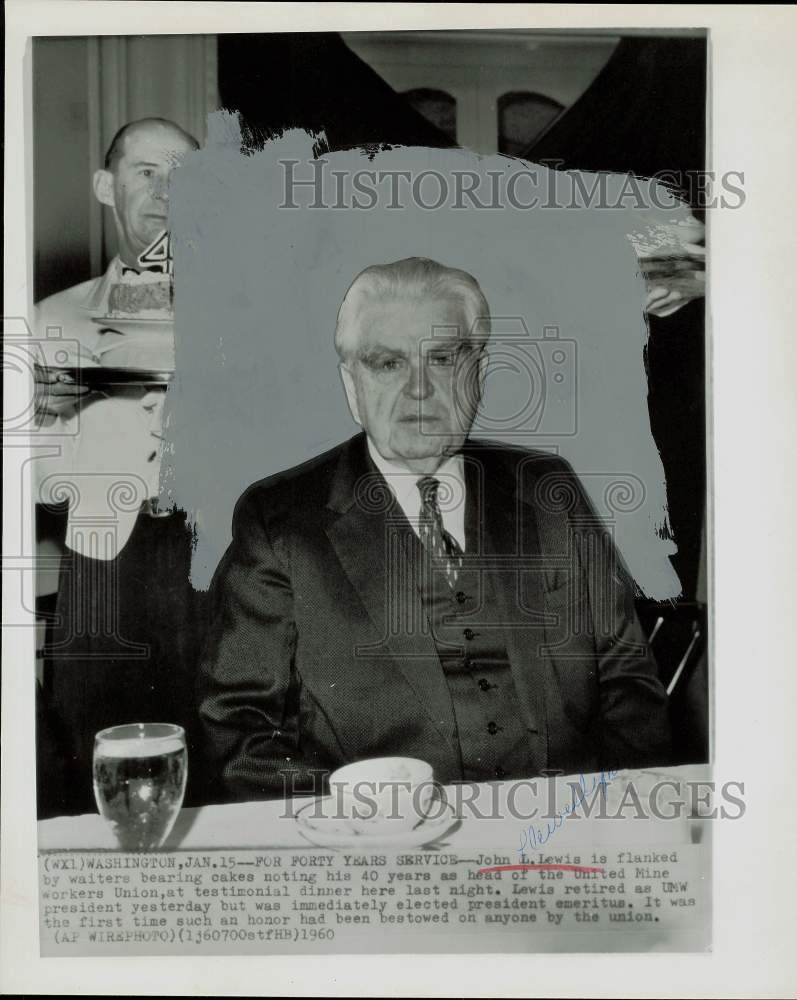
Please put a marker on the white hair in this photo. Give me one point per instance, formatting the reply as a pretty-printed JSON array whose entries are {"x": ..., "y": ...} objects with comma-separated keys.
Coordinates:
[{"x": 414, "y": 278}]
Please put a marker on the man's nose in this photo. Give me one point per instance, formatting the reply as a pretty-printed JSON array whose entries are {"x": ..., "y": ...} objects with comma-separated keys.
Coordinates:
[
  {"x": 160, "y": 187},
  {"x": 418, "y": 385}
]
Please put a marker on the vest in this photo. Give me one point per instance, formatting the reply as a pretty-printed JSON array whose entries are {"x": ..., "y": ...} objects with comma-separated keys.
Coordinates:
[{"x": 493, "y": 742}]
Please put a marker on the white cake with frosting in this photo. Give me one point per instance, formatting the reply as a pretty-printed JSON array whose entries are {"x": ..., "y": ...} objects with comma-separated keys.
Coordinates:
[{"x": 148, "y": 296}]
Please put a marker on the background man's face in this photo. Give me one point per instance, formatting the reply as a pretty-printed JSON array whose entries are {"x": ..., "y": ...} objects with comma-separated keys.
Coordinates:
[
  {"x": 413, "y": 381},
  {"x": 140, "y": 193}
]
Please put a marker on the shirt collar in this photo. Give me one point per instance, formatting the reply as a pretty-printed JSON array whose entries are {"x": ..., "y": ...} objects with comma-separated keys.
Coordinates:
[
  {"x": 403, "y": 482},
  {"x": 451, "y": 495},
  {"x": 98, "y": 300}
]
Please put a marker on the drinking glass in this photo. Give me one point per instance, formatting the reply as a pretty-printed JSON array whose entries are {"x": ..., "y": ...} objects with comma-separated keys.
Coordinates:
[{"x": 140, "y": 772}]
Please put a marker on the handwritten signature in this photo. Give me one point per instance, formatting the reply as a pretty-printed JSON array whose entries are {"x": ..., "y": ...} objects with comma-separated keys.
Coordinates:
[{"x": 536, "y": 836}]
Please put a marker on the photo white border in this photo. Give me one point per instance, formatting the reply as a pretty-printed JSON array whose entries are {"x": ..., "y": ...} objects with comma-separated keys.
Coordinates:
[{"x": 751, "y": 254}]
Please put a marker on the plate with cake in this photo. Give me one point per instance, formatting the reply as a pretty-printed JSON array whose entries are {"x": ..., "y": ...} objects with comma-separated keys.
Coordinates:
[{"x": 137, "y": 340}]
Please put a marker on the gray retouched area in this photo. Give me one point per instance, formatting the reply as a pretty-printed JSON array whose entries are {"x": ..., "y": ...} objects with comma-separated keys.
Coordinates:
[{"x": 257, "y": 289}]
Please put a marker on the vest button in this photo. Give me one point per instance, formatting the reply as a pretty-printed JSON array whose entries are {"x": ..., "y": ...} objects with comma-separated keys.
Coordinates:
[
  {"x": 500, "y": 772},
  {"x": 485, "y": 685},
  {"x": 461, "y": 597},
  {"x": 492, "y": 728},
  {"x": 469, "y": 634}
]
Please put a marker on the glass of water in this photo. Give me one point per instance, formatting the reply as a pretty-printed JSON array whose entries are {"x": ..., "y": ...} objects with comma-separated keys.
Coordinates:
[{"x": 140, "y": 772}]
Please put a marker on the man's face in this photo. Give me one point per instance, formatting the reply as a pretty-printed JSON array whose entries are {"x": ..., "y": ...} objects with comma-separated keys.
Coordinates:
[
  {"x": 137, "y": 189},
  {"x": 413, "y": 382}
]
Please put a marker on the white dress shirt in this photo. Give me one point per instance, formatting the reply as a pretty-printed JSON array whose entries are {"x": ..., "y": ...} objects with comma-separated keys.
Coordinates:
[{"x": 450, "y": 493}]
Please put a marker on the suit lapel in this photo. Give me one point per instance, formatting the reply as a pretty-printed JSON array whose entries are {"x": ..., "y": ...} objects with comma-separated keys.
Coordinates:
[{"x": 369, "y": 537}]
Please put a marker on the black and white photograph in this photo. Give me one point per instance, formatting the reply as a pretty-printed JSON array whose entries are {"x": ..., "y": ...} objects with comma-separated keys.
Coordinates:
[{"x": 367, "y": 552}]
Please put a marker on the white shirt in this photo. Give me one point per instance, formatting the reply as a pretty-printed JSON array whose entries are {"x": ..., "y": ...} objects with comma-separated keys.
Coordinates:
[{"x": 450, "y": 493}]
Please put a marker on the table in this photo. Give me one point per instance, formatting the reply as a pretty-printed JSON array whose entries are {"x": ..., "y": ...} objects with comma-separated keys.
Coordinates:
[
  {"x": 244, "y": 878},
  {"x": 485, "y": 819}
]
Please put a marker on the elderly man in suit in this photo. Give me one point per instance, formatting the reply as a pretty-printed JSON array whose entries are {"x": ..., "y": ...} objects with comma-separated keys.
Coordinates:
[{"x": 414, "y": 592}]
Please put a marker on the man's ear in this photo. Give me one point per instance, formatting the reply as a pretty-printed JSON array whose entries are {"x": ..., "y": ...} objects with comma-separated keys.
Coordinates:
[
  {"x": 484, "y": 362},
  {"x": 103, "y": 187},
  {"x": 351, "y": 392}
]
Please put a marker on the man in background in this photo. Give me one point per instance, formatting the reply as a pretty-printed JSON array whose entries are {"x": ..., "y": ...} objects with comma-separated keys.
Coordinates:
[
  {"x": 126, "y": 620},
  {"x": 134, "y": 184}
]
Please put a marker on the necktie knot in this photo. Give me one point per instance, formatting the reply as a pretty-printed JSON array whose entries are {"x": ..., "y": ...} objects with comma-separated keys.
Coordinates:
[{"x": 428, "y": 486}]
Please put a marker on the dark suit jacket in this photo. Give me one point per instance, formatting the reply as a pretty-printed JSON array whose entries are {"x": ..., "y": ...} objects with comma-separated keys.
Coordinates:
[{"x": 308, "y": 668}]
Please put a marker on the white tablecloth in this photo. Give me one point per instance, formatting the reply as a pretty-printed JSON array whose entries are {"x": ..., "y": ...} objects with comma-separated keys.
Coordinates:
[{"x": 483, "y": 820}]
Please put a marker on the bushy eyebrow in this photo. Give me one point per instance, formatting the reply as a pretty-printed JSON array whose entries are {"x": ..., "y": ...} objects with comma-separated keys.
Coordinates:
[
  {"x": 371, "y": 353},
  {"x": 444, "y": 345}
]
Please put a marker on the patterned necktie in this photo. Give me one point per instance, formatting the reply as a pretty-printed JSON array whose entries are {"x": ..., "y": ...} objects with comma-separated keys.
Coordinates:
[{"x": 437, "y": 541}]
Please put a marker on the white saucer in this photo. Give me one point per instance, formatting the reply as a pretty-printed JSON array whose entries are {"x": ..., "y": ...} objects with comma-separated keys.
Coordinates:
[{"x": 330, "y": 831}]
